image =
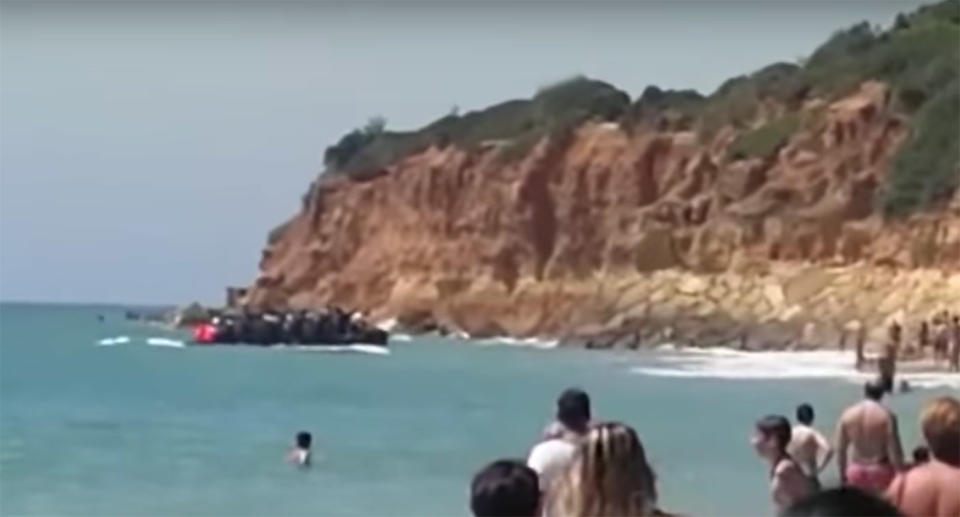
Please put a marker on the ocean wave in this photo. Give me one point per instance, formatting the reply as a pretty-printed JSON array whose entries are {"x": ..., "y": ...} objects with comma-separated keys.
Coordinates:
[
  {"x": 111, "y": 341},
  {"x": 725, "y": 363},
  {"x": 162, "y": 341},
  {"x": 387, "y": 325},
  {"x": 401, "y": 337},
  {"x": 530, "y": 342},
  {"x": 357, "y": 348}
]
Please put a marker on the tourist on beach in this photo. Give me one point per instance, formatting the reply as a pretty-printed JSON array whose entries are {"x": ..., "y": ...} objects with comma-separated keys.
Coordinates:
[
  {"x": 550, "y": 457},
  {"x": 861, "y": 343},
  {"x": 843, "y": 501},
  {"x": 300, "y": 454},
  {"x": 505, "y": 488},
  {"x": 788, "y": 481},
  {"x": 867, "y": 433},
  {"x": 609, "y": 476},
  {"x": 933, "y": 488},
  {"x": 923, "y": 336},
  {"x": 955, "y": 350},
  {"x": 807, "y": 446},
  {"x": 941, "y": 339}
]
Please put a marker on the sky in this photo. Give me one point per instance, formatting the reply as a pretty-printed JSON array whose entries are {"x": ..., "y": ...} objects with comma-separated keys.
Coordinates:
[{"x": 146, "y": 149}]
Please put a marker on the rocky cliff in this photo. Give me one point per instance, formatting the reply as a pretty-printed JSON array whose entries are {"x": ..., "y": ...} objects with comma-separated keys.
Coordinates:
[{"x": 637, "y": 225}]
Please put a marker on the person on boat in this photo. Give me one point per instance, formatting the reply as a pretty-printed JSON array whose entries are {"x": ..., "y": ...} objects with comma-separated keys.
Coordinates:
[
  {"x": 552, "y": 455},
  {"x": 868, "y": 435},
  {"x": 300, "y": 453},
  {"x": 808, "y": 447},
  {"x": 933, "y": 488},
  {"x": 788, "y": 481}
]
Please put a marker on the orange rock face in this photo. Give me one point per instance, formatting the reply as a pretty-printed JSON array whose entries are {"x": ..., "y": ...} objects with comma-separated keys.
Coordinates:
[{"x": 543, "y": 245}]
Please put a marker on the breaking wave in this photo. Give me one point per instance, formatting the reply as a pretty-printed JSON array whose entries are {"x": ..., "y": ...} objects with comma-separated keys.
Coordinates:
[{"x": 725, "y": 363}]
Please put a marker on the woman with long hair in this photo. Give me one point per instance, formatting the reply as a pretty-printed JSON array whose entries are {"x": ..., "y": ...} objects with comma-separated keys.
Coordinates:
[{"x": 609, "y": 476}]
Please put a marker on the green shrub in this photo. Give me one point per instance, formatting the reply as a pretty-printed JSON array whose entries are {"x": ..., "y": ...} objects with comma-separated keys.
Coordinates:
[
  {"x": 926, "y": 171},
  {"x": 765, "y": 141},
  {"x": 519, "y": 124}
]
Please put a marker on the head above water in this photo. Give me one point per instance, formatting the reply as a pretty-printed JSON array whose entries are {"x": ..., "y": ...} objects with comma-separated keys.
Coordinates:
[
  {"x": 304, "y": 440},
  {"x": 573, "y": 409},
  {"x": 940, "y": 422},
  {"x": 609, "y": 475},
  {"x": 505, "y": 487},
  {"x": 773, "y": 434},
  {"x": 873, "y": 390},
  {"x": 843, "y": 501},
  {"x": 921, "y": 454},
  {"x": 805, "y": 414}
]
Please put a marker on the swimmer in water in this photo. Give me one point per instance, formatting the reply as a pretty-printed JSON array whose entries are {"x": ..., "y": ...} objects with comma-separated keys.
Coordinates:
[{"x": 300, "y": 454}]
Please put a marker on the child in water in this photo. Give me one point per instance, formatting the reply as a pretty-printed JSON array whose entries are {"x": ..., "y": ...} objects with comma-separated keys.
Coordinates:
[{"x": 300, "y": 454}]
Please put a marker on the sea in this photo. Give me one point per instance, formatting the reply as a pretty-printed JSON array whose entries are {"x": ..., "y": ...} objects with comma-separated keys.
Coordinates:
[{"x": 118, "y": 418}]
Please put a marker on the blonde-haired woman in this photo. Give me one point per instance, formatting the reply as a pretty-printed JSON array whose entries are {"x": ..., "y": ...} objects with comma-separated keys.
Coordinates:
[{"x": 609, "y": 477}]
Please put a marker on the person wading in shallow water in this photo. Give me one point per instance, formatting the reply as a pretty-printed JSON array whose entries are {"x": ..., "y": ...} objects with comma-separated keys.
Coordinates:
[
  {"x": 933, "y": 487},
  {"x": 807, "y": 446},
  {"x": 788, "y": 482},
  {"x": 867, "y": 434}
]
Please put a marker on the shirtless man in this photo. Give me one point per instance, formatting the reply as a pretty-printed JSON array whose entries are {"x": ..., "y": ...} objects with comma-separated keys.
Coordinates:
[
  {"x": 933, "y": 488},
  {"x": 867, "y": 433},
  {"x": 807, "y": 446}
]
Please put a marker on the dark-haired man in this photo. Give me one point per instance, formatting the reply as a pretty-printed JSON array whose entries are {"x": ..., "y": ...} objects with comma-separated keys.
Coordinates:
[
  {"x": 867, "y": 433},
  {"x": 807, "y": 446},
  {"x": 788, "y": 482},
  {"x": 552, "y": 455},
  {"x": 505, "y": 487}
]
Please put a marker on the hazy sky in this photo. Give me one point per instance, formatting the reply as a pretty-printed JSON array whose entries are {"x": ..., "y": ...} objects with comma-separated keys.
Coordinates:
[{"x": 146, "y": 149}]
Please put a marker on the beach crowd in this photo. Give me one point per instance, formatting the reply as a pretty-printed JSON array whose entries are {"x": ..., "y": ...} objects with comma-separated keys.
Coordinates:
[{"x": 588, "y": 468}]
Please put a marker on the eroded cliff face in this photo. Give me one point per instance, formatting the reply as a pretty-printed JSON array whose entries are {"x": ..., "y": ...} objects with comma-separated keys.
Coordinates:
[{"x": 602, "y": 232}]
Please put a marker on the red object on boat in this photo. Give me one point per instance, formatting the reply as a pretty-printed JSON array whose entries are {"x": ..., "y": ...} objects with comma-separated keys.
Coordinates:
[{"x": 205, "y": 333}]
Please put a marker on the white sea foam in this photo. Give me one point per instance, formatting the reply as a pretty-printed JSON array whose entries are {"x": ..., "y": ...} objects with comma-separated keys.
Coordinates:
[
  {"x": 162, "y": 341},
  {"x": 360, "y": 348},
  {"x": 111, "y": 341},
  {"x": 387, "y": 325},
  {"x": 725, "y": 363},
  {"x": 531, "y": 342},
  {"x": 401, "y": 337}
]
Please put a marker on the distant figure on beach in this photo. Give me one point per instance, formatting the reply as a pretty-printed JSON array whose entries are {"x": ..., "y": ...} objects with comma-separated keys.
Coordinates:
[
  {"x": 955, "y": 350},
  {"x": 808, "y": 447},
  {"x": 300, "y": 454},
  {"x": 788, "y": 481},
  {"x": 933, "y": 488},
  {"x": 895, "y": 333},
  {"x": 941, "y": 339},
  {"x": 867, "y": 434},
  {"x": 842, "y": 501},
  {"x": 505, "y": 487},
  {"x": 550, "y": 457},
  {"x": 923, "y": 336},
  {"x": 861, "y": 343},
  {"x": 609, "y": 475}
]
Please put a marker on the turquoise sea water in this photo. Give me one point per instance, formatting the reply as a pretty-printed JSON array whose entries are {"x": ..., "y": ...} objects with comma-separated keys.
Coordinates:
[{"x": 134, "y": 429}]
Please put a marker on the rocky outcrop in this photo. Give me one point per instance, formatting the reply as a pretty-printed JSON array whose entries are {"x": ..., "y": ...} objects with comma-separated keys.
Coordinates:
[{"x": 619, "y": 238}]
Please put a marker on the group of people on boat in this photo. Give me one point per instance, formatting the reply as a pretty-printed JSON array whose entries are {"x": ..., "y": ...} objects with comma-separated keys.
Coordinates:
[
  {"x": 584, "y": 468},
  {"x": 328, "y": 326}
]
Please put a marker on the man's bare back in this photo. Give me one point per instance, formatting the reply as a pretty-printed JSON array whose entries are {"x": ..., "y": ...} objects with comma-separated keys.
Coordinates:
[
  {"x": 871, "y": 434},
  {"x": 810, "y": 449},
  {"x": 930, "y": 489}
]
